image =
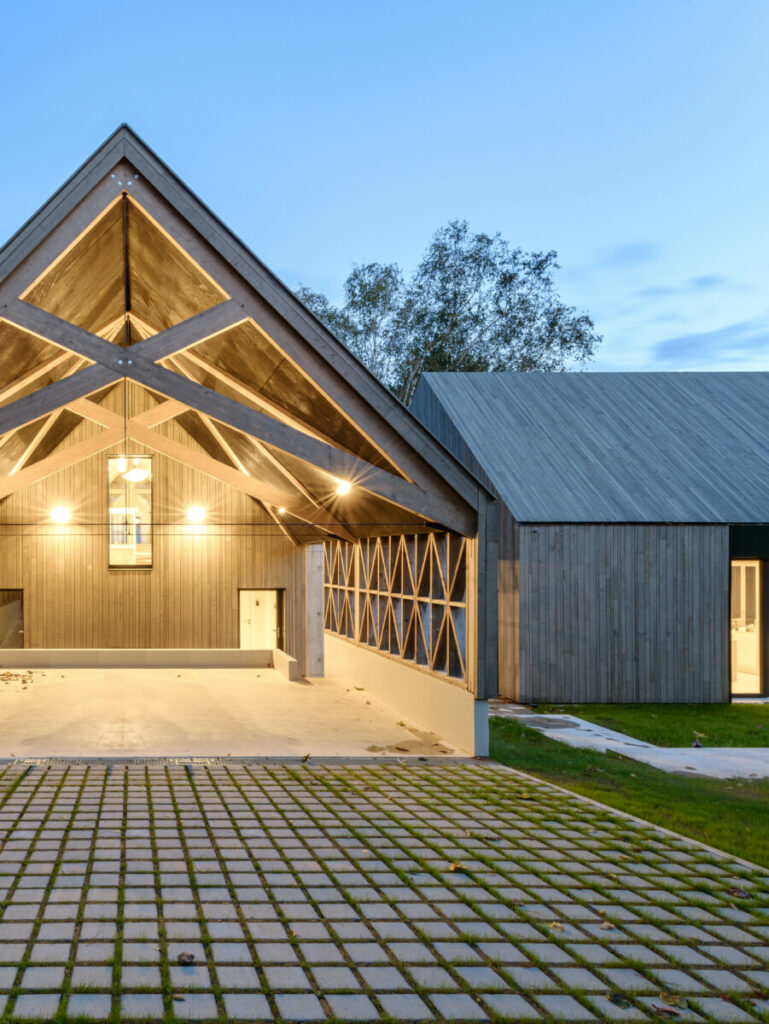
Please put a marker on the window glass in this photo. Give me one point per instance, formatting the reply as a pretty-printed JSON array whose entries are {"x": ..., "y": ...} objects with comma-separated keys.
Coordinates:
[{"x": 130, "y": 511}]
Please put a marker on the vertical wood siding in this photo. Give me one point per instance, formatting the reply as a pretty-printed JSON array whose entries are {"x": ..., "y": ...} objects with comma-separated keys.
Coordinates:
[
  {"x": 189, "y": 599},
  {"x": 615, "y": 613},
  {"x": 508, "y": 606}
]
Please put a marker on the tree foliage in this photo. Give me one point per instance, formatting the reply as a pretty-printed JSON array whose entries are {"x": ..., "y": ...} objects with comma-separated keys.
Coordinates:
[{"x": 473, "y": 303}]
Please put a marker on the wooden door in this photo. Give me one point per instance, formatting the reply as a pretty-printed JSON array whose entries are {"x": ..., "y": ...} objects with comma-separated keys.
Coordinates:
[{"x": 259, "y": 620}]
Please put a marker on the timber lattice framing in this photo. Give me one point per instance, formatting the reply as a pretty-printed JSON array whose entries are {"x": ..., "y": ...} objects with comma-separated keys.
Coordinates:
[{"x": 405, "y": 596}]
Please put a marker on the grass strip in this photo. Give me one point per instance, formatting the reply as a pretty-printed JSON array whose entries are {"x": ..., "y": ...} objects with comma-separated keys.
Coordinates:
[{"x": 729, "y": 814}]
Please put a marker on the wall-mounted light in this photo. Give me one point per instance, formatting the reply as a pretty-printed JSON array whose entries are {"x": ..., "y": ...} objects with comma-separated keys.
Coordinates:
[
  {"x": 343, "y": 487},
  {"x": 196, "y": 513},
  {"x": 60, "y": 514}
]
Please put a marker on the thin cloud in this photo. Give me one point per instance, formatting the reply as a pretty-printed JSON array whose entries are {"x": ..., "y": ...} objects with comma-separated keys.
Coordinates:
[
  {"x": 633, "y": 255},
  {"x": 747, "y": 341},
  {"x": 707, "y": 282},
  {"x": 703, "y": 283}
]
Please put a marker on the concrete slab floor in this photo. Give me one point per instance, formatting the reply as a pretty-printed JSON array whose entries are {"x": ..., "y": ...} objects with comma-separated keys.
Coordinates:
[
  {"x": 384, "y": 890},
  {"x": 197, "y": 712}
]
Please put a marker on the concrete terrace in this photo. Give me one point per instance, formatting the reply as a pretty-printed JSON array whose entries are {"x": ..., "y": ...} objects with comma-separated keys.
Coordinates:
[
  {"x": 438, "y": 890},
  {"x": 156, "y": 712}
]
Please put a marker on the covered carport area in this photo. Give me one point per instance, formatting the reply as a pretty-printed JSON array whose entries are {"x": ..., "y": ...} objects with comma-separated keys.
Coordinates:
[
  {"x": 191, "y": 466},
  {"x": 192, "y": 711}
]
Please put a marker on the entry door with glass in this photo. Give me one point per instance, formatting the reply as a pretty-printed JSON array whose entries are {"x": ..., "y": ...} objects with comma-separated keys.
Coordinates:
[
  {"x": 746, "y": 627},
  {"x": 260, "y": 620}
]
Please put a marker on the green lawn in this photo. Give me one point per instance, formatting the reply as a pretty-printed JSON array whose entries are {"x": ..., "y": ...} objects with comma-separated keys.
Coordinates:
[
  {"x": 677, "y": 725},
  {"x": 731, "y": 815}
]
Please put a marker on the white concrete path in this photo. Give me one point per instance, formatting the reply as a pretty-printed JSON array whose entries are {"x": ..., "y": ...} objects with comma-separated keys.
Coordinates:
[
  {"x": 713, "y": 762},
  {"x": 170, "y": 712}
]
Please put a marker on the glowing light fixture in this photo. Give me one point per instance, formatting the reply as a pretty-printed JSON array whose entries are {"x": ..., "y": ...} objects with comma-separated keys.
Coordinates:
[
  {"x": 343, "y": 487},
  {"x": 60, "y": 514},
  {"x": 136, "y": 475},
  {"x": 281, "y": 511},
  {"x": 196, "y": 513}
]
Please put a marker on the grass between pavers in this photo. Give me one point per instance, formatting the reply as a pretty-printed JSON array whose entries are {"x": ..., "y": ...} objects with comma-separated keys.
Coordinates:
[
  {"x": 385, "y": 833},
  {"x": 678, "y": 725},
  {"x": 731, "y": 815}
]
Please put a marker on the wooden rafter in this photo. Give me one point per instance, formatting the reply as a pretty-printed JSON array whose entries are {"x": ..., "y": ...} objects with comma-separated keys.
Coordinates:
[
  {"x": 221, "y": 441},
  {"x": 269, "y": 319},
  {"x": 138, "y": 429},
  {"x": 116, "y": 361},
  {"x": 63, "y": 458},
  {"x": 37, "y": 438},
  {"x": 16, "y": 386},
  {"x": 190, "y": 332},
  {"x": 265, "y": 453},
  {"x": 251, "y": 395},
  {"x": 231, "y": 454},
  {"x": 443, "y": 492}
]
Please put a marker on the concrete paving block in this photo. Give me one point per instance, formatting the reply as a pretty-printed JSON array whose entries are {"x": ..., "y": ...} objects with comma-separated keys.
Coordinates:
[
  {"x": 299, "y": 1007},
  {"x": 95, "y": 1005},
  {"x": 140, "y": 976},
  {"x": 456, "y": 1006},
  {"x": 511, "y": 1007},
  {"x": 141, "y": 1006},
  {"x": 251, "y": 1006},
  {"x": 37, "y": 1006}
]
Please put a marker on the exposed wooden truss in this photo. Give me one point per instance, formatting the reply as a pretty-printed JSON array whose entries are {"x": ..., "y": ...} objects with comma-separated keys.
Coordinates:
[
  {"x": 266, "y": 454},
  {"x": 135, "y": 363},
  {"x": 139, "y": 428},
  {"x": 169, "y": 344}
]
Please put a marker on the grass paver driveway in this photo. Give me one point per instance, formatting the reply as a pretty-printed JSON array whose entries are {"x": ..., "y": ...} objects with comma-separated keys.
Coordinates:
[{"x": 358, "y": 891}]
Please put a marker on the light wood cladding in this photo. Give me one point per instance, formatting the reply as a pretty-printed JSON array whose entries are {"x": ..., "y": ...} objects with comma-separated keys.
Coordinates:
[
  {"x": 617, "y": 613},
  {"x": 86, "y": 285},
  {"x": 189, "y": 599},
  {"x": 23, "y": 356}
]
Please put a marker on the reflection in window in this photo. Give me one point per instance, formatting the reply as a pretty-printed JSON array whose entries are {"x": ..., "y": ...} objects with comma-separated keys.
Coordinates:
[{"x": 130, "y": 511}]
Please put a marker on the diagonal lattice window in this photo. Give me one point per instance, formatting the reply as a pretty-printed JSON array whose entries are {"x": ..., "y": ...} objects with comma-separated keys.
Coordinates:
[{"x": 403, "y": 595}]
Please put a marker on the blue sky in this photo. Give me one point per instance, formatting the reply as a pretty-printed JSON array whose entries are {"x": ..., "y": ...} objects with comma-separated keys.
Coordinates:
[{"x": 629, "y": 136}]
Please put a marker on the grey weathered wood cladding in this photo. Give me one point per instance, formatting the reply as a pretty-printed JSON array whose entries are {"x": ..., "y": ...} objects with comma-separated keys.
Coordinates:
[{"x": 614, "y": 612}]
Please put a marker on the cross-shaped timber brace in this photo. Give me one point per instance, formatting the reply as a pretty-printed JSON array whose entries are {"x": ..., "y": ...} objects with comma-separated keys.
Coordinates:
[{"x": 139, "y": 362}]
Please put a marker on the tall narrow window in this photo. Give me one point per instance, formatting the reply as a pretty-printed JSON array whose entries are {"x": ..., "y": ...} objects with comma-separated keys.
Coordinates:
[
  {"x": 130, "y": 511},
  {"x": 746, "y": 627}
]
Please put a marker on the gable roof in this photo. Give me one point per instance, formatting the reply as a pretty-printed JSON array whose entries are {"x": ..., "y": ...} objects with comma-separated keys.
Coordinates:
[
  {"x": 124, "y": 254},
  {"x": 610, "y": 447}
]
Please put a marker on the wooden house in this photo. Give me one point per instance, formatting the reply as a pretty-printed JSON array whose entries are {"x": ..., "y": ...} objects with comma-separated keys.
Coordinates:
[{"x": 633, "y": 532}]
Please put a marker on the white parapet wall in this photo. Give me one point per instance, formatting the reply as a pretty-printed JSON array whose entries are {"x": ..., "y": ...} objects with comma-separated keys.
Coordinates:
[
  {"x": 285, "y": 664},
  {"x": 168, "y": 657},
  {"x": 434, "y": 703}
]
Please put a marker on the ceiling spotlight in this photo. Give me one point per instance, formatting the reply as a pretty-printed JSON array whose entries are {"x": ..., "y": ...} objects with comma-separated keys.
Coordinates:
[
  {"x": 281, "y": 511},
  {"x": 196, "y": 513},
  {"x": 60, "y": 514},
  {"x": 343, "y": 487}
]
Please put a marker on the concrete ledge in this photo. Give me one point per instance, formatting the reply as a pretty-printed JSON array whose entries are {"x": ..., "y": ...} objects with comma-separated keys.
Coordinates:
[
  {"x": 130, "y": 658},
  {"x": 448, "y": 710},
  {"x": 285, "y": 664}
]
